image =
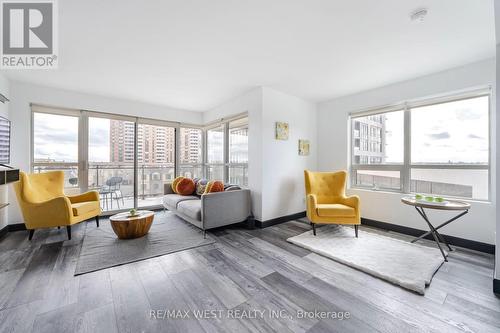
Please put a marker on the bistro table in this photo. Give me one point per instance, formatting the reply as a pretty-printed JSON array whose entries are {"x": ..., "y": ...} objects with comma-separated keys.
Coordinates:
[{"x": 450, "y": 205}]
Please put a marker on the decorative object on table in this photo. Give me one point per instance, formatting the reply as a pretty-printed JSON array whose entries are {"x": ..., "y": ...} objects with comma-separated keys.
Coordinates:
[
  {"x": 101, "y": 249},
  {"x": 450, "y": 205},
  {"x": 214, "y": 186},
  {"x": 303, "y": 147},
  {"x": 132, "y": 226},
  {"x": 282, "y": 130},
  {"x": 44, "y": 204},
  {"x": 408, "y": 265},
  {"x": 132, "y": 212},
  {"x": 327, "y": 202}
]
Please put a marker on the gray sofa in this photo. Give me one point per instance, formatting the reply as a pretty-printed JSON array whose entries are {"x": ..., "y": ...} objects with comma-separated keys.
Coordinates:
[{"x": 211, "y": 210}]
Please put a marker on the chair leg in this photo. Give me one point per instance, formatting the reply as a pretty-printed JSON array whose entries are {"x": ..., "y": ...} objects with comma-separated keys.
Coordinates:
[
  {"x": 356, "y": 230},
  {"x": 68, "y": 230},
  {"x": 31, "y": 232},
  {"x": 314, "y": 228},
  {"x": 97, "y": 220},
  {"x": 204, "y": 234}
]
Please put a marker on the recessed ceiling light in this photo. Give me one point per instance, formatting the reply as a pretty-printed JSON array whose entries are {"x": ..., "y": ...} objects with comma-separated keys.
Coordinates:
[{"x": 419, "y": 15}]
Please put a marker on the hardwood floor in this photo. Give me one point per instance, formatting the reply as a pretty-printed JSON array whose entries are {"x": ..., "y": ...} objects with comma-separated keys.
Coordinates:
[{"x": 252, "y": 272}]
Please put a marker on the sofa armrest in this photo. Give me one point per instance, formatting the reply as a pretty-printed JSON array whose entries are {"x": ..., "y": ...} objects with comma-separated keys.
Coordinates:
[
  {"x": 223, "y": 208},
  {"x": 167, "y": 188}
]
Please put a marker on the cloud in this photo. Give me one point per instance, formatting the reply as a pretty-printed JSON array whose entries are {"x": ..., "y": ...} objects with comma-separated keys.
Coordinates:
[{"x": 439, "y": 136}]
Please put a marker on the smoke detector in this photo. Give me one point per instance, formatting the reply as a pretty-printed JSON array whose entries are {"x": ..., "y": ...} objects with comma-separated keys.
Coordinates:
[{"x": 419, "y": 15}]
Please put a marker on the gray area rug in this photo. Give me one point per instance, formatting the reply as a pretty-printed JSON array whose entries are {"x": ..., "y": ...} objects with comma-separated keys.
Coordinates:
[
  {"x": 408, "y": 265},
  {"x": 102, "y": 249}
]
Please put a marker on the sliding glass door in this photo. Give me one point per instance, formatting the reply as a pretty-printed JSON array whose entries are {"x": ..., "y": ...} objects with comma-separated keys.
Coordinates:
[
  {"x": 111, "y": 161},
  {"x": 155, "y": 162}
]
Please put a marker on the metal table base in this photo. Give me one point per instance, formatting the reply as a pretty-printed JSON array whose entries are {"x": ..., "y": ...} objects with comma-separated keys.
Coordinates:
[{"x": 434, "y": 230}]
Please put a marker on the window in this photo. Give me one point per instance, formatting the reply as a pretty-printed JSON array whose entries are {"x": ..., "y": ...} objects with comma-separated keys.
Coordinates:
[
  {"x": 215, "y": 153},
  {"x": 238, "y": 152},
  {"x": 55, "y": 146},
  {"x": 447, "y": 148},
  {"x": 155, "y": 157},
  {"x": 227, "y": 151},
  {"x": 191, "y": 152}
]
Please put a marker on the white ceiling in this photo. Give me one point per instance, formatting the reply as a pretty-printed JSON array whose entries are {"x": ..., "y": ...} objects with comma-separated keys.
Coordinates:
[{"x": 196, "y": 54}]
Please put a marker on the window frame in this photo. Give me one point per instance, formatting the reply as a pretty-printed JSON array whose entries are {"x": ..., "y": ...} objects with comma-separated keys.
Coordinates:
[
  {"x": 406, "y": 167},
  {"x": 224, "y": 123}
]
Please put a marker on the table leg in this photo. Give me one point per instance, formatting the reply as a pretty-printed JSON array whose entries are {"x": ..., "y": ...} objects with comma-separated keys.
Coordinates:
[{"x": 432, "y": 231}]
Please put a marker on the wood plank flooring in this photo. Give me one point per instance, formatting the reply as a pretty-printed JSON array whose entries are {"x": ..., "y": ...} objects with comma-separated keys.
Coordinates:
[{"x": 245, "y": 272}]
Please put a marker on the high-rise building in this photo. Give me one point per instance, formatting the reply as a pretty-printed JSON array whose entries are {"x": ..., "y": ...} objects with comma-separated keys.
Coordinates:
[
  {"x": 121, "y": 141},
  {"x": 369, "y": 140}
]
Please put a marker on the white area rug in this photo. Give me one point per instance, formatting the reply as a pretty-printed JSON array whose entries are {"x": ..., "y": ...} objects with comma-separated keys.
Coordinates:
[{"x": 408, "y": 265}]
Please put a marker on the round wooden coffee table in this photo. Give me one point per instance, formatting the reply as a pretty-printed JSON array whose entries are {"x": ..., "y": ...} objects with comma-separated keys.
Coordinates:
[{"x": 128, "y": 227}]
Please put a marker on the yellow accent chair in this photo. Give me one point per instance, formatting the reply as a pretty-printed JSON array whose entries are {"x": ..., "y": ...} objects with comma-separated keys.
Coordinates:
[
  {"x": 44, "y": 204},
  {"x": 326, "y": 200}
]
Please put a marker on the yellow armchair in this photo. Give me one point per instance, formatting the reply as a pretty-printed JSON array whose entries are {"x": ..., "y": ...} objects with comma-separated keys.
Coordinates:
[
  {"x": 44, "y": 205},
  {"x": 326, "y": 200}
]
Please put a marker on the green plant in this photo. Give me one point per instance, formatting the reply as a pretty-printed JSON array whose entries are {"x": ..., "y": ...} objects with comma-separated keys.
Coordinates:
[{"x": 429, "y": 198}]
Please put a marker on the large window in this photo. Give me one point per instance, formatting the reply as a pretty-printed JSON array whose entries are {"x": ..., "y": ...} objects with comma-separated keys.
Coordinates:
[
  {"x": 55, "y": 146},
  {"x": 191, "y": 152},
  {"x": 238, "y": 152},
  {"x": 227, "y": 151},
  {"x": 128, "y": 160},
  {"x": 215, "y": 153},
  {"x": 434, "y": 147}
]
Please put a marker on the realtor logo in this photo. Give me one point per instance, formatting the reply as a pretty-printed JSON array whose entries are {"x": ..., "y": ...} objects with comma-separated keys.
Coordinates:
[{"x": 29, "y": 34}]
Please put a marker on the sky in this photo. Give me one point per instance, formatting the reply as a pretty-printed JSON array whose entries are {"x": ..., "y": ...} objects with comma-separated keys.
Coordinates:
[
  {"x": 455, "y": 132},
  {"x": 56, "y": 138}
]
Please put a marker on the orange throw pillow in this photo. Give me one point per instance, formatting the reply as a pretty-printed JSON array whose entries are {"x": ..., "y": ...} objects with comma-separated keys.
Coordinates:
[
  {"x": 214, "y": 186},
  {"x": 175, "y": 182},
  {"x": 185, "y": 186}
]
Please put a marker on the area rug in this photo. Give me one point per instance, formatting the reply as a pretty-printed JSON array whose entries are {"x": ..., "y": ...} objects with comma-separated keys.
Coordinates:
[
  {"x": 102, "y": 249},
  {"x": 408, "y": 265}
]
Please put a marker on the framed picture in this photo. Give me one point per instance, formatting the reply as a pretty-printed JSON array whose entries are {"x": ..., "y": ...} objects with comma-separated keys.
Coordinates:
[
  {"x": 303, "y": 147},
  {"x": 281, "y": 131}
]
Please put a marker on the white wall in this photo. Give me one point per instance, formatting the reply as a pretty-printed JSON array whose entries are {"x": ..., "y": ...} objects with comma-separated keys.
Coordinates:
[
  {"x": 283, "y": 179},
  {"x": 479, "y": 224},
  {"x": 22, "y": 94},
  {"x": 250, "y": 102},
  {"x": 279, "y": 190},
  {"x": 4, "y": 112}
]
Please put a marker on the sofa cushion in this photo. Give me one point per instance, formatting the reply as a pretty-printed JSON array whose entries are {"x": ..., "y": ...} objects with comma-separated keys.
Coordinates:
[
  {"x": 185, "y": 186},
  {"x": 214, "y": 186},
  {"x": 171, "y": 200},
  {"x": 190, "y": 208},
  {"x": 82, "y": 208},
  {"x": 175, "y": 182},
  {"x": 335, "y": 210},
  {"x": 200, "y": 186}
]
